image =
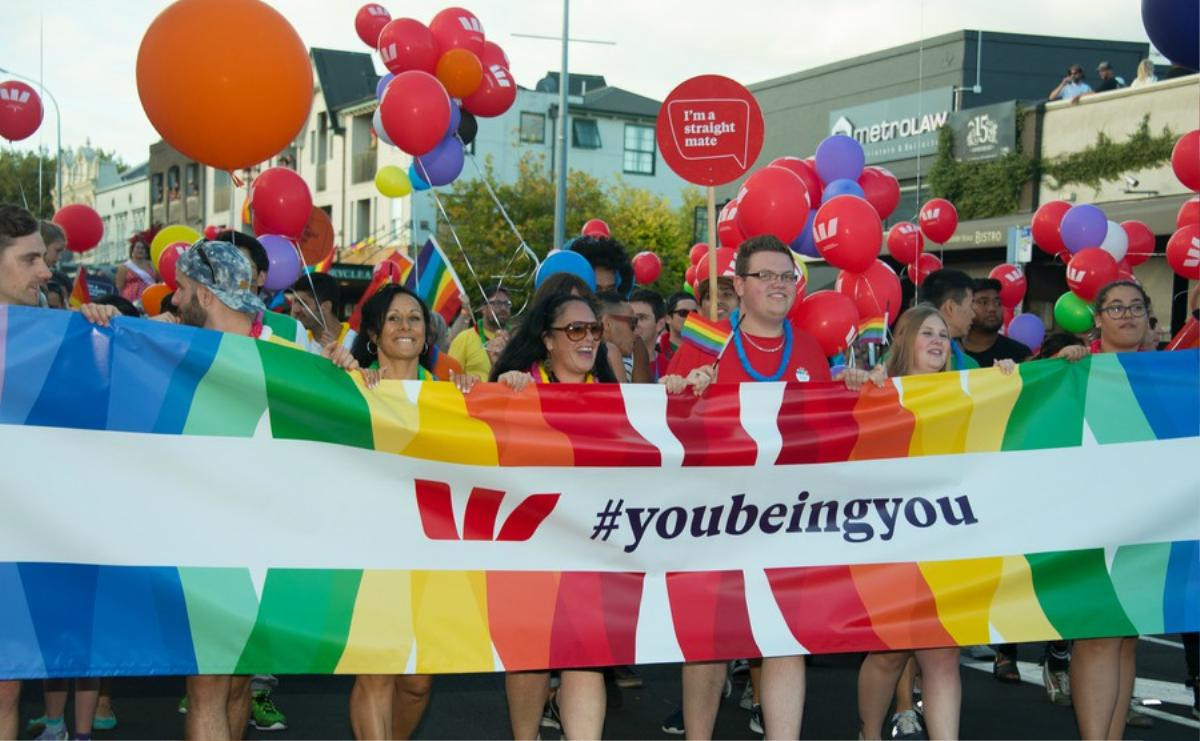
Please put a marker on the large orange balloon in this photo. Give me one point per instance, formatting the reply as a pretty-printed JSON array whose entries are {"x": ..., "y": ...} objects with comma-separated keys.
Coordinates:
[{"x": 221, "y": 97}]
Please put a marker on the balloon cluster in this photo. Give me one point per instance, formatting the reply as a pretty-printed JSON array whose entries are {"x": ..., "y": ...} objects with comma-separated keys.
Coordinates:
[{"x": 440, "y": 77}]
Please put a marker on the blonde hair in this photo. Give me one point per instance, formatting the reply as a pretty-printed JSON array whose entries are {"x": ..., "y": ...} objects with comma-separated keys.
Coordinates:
[
  {"x": 904, "y": 340},
  {"x": 1145, "y": 69}
]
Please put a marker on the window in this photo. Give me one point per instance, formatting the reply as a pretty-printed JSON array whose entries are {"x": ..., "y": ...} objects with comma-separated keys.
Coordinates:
[
  {"x": 156, "y": 188},
  {"x": 173, "y": 183},
  {"x": 639, "y": 149},
  {"x": 193, "y": 179},
  {"x": 533, "y": 128},
  {"x": 585, "y": 134}
]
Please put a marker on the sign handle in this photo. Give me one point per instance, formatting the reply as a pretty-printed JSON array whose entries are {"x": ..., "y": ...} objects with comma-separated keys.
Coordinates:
[{"x": 712, "y": 253}]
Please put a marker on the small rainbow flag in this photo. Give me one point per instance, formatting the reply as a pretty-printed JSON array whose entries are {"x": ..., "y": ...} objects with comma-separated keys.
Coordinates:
[
  {"x": 709, "y": 336},
  {"x": 392, "y": 269},
  {"x": 324, "y": 265},
  {"x": 873, "y": 329},
  {"x": 80, "y": 294},
  {"x": 434, "y": 280}
]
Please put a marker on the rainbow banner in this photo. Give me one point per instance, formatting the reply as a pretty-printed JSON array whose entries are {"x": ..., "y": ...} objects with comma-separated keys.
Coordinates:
[
  {"x": 418, "y": 529},
  {"x": 433, "y": 279}
]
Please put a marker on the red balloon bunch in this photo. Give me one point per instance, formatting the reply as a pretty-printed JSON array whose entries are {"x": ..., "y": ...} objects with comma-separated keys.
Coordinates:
[
  {"x": 20, "y": 110},
  {"x": 875, "y": 291},
  {"x": 775, "y": 201},
  {"x": 881, "y": 189},
  {"x": 926, "y": 263}
]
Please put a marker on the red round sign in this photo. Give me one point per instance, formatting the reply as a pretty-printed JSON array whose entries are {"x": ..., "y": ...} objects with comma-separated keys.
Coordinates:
[{"x": 710, "y": 130}]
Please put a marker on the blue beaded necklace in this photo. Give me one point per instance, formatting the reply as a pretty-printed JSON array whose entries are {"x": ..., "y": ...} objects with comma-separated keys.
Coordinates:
[{"x": 745, "y": 361}]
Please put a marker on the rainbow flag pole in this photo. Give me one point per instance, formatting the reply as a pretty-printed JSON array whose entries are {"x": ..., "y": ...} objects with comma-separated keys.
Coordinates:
[{"x": 434, "y": 280}]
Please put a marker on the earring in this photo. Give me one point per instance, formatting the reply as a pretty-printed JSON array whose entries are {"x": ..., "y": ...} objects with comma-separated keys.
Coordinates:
[{"x": 372, "y": 350}]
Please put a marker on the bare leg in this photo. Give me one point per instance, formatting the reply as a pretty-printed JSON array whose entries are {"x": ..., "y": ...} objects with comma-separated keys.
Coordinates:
[
  {"x": 756, "y": 680},
  {"x": 783, "y": 696},
  {"x": 582, "y": 699},
  {"x": 10, "y": 693},
  {"x": 1095, "y": 685},
  {"x": 527, "y": 694},
  {"x": 208, "y": 698},
  {"x": 237, "y": 708},
  {"x": 876, "y": 683},
  {"x": 87, "y": 694},
  {"x": 371, "y": 706},
  {"x": 56, "y": 697},
  {"x": 1128, "y": 659},
  {"x": 408, "y": 705},
  {"x": 104, "y": 704},
  {"x": 702, "y": 684},
  {"x": 941, "y": 688}
]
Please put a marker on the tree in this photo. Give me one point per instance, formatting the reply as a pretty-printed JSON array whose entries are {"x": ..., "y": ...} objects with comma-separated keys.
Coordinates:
[{"x": 19, "y": 181}]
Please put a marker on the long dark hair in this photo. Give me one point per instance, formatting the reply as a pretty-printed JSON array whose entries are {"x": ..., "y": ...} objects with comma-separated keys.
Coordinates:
[
  {"x": 526, "y": 348},
  {"x": 374, "y": 312}
]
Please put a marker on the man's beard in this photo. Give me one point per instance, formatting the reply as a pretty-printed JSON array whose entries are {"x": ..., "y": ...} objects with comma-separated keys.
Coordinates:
[
  {"x": 193, "y": 314},
  {"x": 987, "y": 326}
]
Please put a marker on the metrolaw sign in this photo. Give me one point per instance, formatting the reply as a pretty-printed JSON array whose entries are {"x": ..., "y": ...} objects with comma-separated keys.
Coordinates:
[{"x": 896, "y": 128}]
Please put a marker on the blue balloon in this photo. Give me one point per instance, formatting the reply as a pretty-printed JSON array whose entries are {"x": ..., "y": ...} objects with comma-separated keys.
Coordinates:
[
  {"x": 1083, "y": 226},
  {"x": 839, "y": 157},
  {"x": 565, "y": 261},
  {"x": 444, "y": 163},
  {"x": 455, "y": 117},
  {"x": 803, "y": 244},
  {"x": 1171, "y": 26},
  {"x": 1028, "y": 330},
  {"x": 418, "y": 182},
  {"x": 382, "y": 85},
  {"x": 842, "y": 187}
]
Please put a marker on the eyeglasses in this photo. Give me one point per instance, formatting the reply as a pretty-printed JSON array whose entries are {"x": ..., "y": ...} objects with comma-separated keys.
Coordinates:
[
  {"x": 1118, "y": 311},
  {"x": 576, "y": 331},
  {"x": 633, "y": 320},
  {"x": 682, "y": 313},
  {"x": 500, "y": 302},
  {"x": 769, "y": 276}
]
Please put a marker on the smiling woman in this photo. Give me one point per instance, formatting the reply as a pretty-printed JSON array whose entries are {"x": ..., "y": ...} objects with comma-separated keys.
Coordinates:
[
  {"x": 559, "y": 342},
  {"x": 395, "y": 336}
]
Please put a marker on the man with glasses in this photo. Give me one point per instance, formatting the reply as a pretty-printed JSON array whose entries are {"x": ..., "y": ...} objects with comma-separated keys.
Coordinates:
[
  {"x": 983, "y": 341},
  {"x": 477, "y": 347}
]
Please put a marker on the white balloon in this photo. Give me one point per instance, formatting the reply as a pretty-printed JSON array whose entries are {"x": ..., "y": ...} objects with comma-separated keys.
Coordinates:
[
  {"x": 1116, "y": 241},
  {"x": 377, "y": 122}
]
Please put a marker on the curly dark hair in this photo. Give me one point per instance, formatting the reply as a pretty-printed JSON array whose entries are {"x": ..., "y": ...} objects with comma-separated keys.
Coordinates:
[
  {"x": 374, "y": 311},
  {"x": 605, "y": 252},
  {"x": 526, "y": 348}
]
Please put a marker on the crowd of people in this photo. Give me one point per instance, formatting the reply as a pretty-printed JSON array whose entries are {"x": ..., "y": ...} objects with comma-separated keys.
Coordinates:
[{"x": 603, "y": 331}]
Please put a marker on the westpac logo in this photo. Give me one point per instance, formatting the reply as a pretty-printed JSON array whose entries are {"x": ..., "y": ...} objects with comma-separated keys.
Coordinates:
[
  {"x": 470, "y": 23},
  {"x": 436, "y": 505},
  {"x": 931, "y": 214},
  {"x": 1075, "y": 276},
  {"x": 388, "y": 53},
  {"x": 823, "y": 231},
  {"x": 905, "y": 227},
  {"x": 14, "y": 96},
  {"x": 1191, "y": 258},
  {"x": 376, "y": 10},
  {"x": 502, "y": 77}
]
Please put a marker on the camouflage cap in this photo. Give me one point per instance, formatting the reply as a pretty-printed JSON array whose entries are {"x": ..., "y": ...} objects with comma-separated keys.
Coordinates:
[{"x": 223, "y": 269}]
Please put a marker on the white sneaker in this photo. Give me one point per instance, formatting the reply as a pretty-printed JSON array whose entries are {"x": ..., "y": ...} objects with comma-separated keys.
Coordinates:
[
  {"x": 906, "y": 725},
  {"x": 1058, "y": 685}
]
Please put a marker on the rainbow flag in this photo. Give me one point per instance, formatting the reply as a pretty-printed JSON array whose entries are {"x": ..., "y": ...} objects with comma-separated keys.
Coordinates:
[
  {"x": 80, "y": 293},
  {"x": 392, "y": 269},
  {"x": 434, "y": 280},
  {"x": 324, "y": 265},
  {"x": 709, "y": 336},
  {"x": 518, "y": 547},
  {"x": 873, "y": 329}
]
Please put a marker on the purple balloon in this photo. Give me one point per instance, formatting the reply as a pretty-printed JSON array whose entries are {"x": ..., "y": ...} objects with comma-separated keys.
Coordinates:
[
  {"x": 455, "y": 117},
  {"x": 285, "y": 263},
  {"x": 1028, "y": 330},
  {"x": 840, "y": 157},
  {"x": 803, "y": 243},
  {"x": 383, "y": 83},
  {"x": 842, "y": 187},
  {"x": 445, "y": 162},
  {"x": 1083, "y": 226}
]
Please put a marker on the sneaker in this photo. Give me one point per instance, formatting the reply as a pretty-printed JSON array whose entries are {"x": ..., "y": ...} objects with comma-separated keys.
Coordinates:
[
  {"x": 183, "y": 706},
  {"x": 1136, "y": 718},
  {"x": 674, "y": 723},
  {"x": 907, "y": 725},
  {"x": 756, "y": 725},
  {"x": 104, "y": 722},
  {"x": 739, "y": 666},
  {"x": 550, "y": 715},
  {"x": 747, "y": 701},
  {"x": 35, "y": 724},
  {"x": 626, "y": 677},
  {"x": 58, "y": 734},
  {"x": 264, "y": 716},
  {"x": 1058, "y": 685}
]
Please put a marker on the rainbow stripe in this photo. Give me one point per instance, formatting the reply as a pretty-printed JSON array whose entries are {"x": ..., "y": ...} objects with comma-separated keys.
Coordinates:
[
  {"x": 168, "y": 380},
  {"x": 709, "y": 336},
  {"x": 872, "y": 329},
  {"x": 80, "y": 293},
  {"x": 434, "y": 280}
]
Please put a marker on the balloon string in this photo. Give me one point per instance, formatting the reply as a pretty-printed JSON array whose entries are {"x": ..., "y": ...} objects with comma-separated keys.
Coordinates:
[
  {"x": 523, "y": 246},
  {"x": 20, "y": 184},
  {"x": 237, "y": 182}
]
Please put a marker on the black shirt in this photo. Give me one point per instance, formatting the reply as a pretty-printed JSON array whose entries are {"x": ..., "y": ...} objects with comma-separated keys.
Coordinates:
[
  {"x": 1109, "y": 84},
  {"x": 1003, "y": 348}
]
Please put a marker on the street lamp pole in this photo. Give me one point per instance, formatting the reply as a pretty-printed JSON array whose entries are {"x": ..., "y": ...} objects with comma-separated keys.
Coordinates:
[
  {"x": 560, "y": 191},
  {"x": 58, "y": 127}
]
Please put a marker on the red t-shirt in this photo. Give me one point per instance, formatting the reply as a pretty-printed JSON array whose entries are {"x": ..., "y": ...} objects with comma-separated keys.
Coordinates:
[{"x": 806, "y": 364}]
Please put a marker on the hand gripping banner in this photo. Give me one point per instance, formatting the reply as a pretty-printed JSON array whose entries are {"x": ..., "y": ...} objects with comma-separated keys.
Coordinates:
[{"x": 417, "y": 529}]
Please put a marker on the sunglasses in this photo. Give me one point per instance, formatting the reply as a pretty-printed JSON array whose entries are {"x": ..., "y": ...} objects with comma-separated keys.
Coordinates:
[
  {"x": 576, "y": 331},
  {"x": 682, "y": 313},
  {"x": 199, "y": 248}
]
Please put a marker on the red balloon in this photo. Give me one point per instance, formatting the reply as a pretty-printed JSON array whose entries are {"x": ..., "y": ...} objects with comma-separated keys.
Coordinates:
[
  {"x": 1089, "y": 270},
  {"x": 729, "y": 234},
  {"x": 1012, "y": 284},
  {"x": 458, "y": 28},
  {"x": 1185, "y": 159},
  {"x": 415, "y": 111},
  {"x": 725, "y": 261},
  {"x": 926, "y": 263},
  {"x": 773, "y": 201},
  {"x": 406, "y": 44},
  {"x": 804, "y": 170},
  {"x": 646, "y": 267},
  {"x": 595, "y": 228},
  {"x": 211, "y": 231},
  {"x": 689, "y": 276},
  {"x": 82, "y": 225},
  {"x": 1125, "y": 272},
  {"x": 699, "y": 250},
  {"x": 1046, "y": 221},
  {"x": 20, "y": 110},
  {"x": 830, "y": 318},
  {"x": 493, "y": 54},
  {"x": 280, "y": 203},
  {"x": 495, "y": 94},
  {"x": 1008, "y": 317},
  {"x": 881, "y": 189},
  {"x": 847, "y": 233},
  {"x": 875, "y": 291},
  {"x": 905, "y": 242},
  {"x": 1141, "y": 242},
  {"x": 1189, "y": 213},
  {"x": 369, "y": 21},
  {"x": 167, "y": 261},
  {"x": 938, "y": 219},
  {"x": 1183, "y": 252}
]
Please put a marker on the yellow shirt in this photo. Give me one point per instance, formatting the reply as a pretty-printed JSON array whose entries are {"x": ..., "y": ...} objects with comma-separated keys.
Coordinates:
[{"x": 467, "y": 349}]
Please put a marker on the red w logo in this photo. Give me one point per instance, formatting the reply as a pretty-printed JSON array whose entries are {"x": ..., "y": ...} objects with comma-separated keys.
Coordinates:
[{"x": 437, "y": 513}]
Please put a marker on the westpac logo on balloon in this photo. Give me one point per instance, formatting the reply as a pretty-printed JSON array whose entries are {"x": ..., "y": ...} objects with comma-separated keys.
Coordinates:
[{"x": 823, "y": 231}]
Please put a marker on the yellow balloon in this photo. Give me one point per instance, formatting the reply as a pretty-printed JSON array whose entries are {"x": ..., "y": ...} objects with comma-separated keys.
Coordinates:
[
  {"x": 169, "y": 235},
  {"x": 393, "y": 182}
]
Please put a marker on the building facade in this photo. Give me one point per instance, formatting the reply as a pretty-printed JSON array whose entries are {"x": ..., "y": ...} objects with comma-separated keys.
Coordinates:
[{"x": 124, "y": 208}]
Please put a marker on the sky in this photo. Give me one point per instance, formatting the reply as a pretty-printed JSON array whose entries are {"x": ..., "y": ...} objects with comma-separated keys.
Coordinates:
[{"x": 88, "y": 49}]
